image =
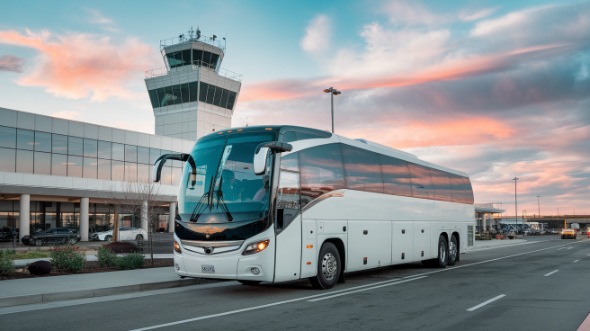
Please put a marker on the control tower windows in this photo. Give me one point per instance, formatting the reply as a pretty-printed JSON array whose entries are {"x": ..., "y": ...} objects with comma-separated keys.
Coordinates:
[{"x": 177, "y": 94}]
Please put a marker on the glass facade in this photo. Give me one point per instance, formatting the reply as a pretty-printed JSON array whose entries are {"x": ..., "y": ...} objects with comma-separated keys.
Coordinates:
[
  {"x": 191, "y": 92},
  {"x": 38, "y": 152}
]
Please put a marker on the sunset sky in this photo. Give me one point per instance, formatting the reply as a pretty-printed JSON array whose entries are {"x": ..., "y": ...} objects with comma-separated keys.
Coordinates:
[{"x": 496, "y": 89}]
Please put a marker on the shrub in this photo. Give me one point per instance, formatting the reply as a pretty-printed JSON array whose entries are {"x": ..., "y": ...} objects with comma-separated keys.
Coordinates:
[
  {"x": 130, "y": 261},
  {"x": 40, "y": 268},
  {"x": 106, "y": 258},
  {"x": 6, "y": 261},
  {"x": 121, "y": 247},
  {"x": 68, "y": 259}
]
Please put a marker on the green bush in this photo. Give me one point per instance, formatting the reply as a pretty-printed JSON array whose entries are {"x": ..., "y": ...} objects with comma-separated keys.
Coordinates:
[
  {"x": 130, "y": 261},
  {"x": 6, "y": 261},
  {"x": 68, "y": 259},
  {"x": 106, "y": 258}
]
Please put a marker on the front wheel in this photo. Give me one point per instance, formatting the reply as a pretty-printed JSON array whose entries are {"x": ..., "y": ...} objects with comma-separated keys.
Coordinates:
[
  {"x": 73, "y": 241},
  {"x": 139, "y": 237},
  {"x": 108, "y": 238},
  {"x": 38, "y": 242},
  {"x": 329, "y": 267}
]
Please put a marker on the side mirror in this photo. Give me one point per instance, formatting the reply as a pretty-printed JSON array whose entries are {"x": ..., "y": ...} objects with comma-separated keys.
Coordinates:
[
  {"x": 260, "y": 158},
  {"x": 159, "y": 163}
]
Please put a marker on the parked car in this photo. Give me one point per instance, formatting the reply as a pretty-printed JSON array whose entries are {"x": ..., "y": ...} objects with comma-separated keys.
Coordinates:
[
  {"x": 126, "y": 233},
  {"x": 7, "y": 234},
  {"x": 52, "y": 236},
  {"x": 568, "y": 233}
]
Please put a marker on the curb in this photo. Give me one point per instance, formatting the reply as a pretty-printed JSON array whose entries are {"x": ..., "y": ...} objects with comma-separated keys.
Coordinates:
[{"x": 95, "y": 293}]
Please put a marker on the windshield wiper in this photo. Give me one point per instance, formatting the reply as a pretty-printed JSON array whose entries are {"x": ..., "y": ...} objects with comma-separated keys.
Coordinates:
[
  {"x": 220, "y": 200},
  {"x": 201, "y": 206}
]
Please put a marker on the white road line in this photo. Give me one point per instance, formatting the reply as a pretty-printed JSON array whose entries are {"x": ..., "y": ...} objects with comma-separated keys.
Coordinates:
[
  {"x": 486, "y": 302},
  {"x": 576, "y": 261},
  {"x": 365, "y": 289},
  {"x": 551, "y": 273},
  {"x": 355, "y": 289}
]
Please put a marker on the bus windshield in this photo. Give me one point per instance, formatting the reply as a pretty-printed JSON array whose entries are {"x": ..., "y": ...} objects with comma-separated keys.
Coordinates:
[{"x": 225, "y": 189}]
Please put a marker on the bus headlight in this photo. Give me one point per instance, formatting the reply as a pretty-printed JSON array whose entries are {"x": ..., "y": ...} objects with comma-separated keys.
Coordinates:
[
  {"x": 256, "y": 247},
  {"x": 177, "y": 247}
]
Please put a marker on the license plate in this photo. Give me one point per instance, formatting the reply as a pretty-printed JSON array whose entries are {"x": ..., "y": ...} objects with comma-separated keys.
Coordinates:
[{"x": 208, "y": 269}]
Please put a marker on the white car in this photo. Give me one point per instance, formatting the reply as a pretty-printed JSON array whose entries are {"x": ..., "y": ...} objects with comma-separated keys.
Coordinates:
[{"x": 124, "y": 234}]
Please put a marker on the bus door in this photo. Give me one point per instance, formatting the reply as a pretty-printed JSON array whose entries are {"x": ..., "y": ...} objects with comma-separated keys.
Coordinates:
[{"x": 288, "y": 227}]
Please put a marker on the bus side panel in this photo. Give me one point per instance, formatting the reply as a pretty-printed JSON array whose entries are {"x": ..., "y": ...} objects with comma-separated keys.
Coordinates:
[
  {"x": 422, "y": 246},
  {"x": 309, "y": 251},
  {"x": 402, "y": 244},
  {"x": 288, "y": 253},
  {"x": 369, "y": 244}
]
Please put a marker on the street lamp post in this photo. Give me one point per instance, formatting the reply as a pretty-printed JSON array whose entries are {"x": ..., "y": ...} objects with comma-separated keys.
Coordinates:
[
  {"x": 332, "y": 92},
  {"x": 515, "y": 179},
  {"x": 539, "y": 206}
]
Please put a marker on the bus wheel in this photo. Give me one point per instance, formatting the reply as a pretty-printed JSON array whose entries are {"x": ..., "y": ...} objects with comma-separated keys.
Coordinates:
[
  {"x": 443, "y": 252},
  {"x": 328, "y": 267},
  {"x": 453, "y": 251}
]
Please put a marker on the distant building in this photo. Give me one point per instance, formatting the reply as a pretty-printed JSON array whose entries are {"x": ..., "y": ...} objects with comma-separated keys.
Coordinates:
[{"x": 192, "y": 96}]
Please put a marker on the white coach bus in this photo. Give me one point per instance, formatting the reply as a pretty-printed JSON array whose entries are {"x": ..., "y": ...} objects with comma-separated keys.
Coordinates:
[{"x": 281, "y": 203}]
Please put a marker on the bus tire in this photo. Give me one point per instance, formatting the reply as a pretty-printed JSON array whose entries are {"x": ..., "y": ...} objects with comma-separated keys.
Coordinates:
[
  {"x": 329, "y": 267},
  {"x": 453, "y": 251},
  {"x": 443, "y": 252}
]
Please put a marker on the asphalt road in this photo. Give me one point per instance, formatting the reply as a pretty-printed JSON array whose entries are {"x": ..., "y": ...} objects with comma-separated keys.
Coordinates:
[{"x": 542, "y": 285}]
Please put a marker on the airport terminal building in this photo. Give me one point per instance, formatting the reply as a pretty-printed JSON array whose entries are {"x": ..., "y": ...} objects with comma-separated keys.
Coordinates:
[{"x": 62, "y": 173}]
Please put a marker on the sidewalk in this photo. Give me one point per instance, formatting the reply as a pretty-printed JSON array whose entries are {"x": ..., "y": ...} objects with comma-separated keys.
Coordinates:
[{"x": 59, "y": 288}]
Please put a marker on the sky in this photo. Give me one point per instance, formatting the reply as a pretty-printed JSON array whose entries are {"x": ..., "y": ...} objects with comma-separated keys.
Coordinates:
[{"x": 496, "y": 89}]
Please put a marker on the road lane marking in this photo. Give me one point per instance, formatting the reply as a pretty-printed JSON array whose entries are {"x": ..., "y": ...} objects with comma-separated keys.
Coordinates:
[
  {"x": 486, "y": 302},
  {"x": 551, "y": 273},
  {"x": 576, "y": 261},
  {"x": 356, "y": 289},
  {"x": 366, "y": 289}
]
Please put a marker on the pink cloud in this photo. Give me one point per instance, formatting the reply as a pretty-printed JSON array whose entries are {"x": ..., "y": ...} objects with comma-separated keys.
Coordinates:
[{"x": 78, "y": 66}]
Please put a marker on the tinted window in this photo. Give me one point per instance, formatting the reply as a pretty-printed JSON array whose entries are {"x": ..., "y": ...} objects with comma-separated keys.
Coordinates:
[
  {"x": 441, "y": 185},
  {"x": 42, "y": 141},
  {"x": 59, "y": 144},
  {"x": 104, "y": 149},
  {"x": 363, "y": 170},
  {"x": 24, "y": 161},
  {"x": 59, "y": 165},
  {"x": 396, "y": 176},
  {"x": 118, "y": 152},
  {"x": 42, "y": 163},
  {"x": 25, "y": 139},
  {"x": 7, "y": 137},
  {"x": 321, "y": 171},
  {"x": 75, "y": 146},
  {"x": 90, "y": 147},
  {"x": 421, "y": 181}
]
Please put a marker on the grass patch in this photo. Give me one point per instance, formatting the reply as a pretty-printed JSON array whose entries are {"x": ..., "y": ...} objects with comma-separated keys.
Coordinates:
[{"x": 31, "y": 255}]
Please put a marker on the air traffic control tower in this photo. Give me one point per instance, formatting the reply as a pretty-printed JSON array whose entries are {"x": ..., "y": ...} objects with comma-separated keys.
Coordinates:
[{"x": 192, "y": 96}]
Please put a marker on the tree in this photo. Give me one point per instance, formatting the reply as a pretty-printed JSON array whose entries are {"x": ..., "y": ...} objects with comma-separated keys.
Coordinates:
[{"x": 135, "y": 198}]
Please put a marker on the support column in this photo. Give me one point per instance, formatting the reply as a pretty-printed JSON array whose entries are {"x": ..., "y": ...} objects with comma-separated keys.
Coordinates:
[
  {"x": 24, "y": 216},
  {"x": 144, "y": 216},
  {"x": 171, "y": 216},
  {"x": 84, "y": 219}
]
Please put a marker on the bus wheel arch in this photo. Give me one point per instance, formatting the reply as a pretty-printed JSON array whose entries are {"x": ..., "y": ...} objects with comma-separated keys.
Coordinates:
[{"x": 329, "y": 265}]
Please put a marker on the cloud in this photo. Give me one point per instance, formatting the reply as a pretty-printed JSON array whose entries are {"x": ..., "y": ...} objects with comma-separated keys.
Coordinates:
[
  {"x": 474, "y": 15},
  {"x": 78, "y": 66},
  {"x": 11, "y": 63},
  {"x": 67, "y": 114},
  {"x": 97, "y": 18},
  {"x": 317, "y": 35}
]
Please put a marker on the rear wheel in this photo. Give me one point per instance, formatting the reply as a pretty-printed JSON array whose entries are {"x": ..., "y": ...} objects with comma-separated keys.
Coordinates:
[
  {"x": 38, "y": 242},
  {"x": 443, "y": 252},
  {"x": 73, "y": 241},
  {"x": 329, "y": 267},
  {"x": 453, "y": 251},
  {"x": 139, "y": 237},
  {"x": 108, "y": 238}
]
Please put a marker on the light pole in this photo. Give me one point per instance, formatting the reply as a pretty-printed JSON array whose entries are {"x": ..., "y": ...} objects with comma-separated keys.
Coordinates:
[
  {"x": 515, "y": 179},
  {"x": 332, "y": 92},
  {"x": 538, "y": 206}
]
